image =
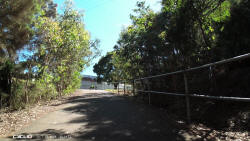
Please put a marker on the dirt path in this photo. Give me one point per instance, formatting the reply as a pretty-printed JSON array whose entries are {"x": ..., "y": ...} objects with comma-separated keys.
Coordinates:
[{"x": 101, "y": 116}]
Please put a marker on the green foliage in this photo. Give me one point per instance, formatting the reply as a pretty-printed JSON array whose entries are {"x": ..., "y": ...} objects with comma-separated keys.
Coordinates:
[
  {"x": 15, "y": 25},
  {"x": 104, "y": 68},
  {"x": 60, "y": 48},
  {"x": 234, "y": 38},
  {"x": 64, "y": 50},
  {"x": 184, "y": 34}
]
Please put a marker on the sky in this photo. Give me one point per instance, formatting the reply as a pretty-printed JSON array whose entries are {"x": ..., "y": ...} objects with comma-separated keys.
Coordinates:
[{"x": 104, "y": 19}]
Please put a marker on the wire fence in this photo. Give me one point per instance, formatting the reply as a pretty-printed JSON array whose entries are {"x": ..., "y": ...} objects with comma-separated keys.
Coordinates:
[{"x": 135, "y": 89}]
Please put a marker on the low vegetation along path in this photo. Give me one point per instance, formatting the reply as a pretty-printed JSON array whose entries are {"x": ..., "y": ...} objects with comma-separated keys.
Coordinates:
[{"x": 102, "y": 116}]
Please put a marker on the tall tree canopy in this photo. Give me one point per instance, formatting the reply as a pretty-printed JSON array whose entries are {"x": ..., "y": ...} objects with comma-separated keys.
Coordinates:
[
  {"x": 58, "y": 45},
  {"x": 184, "y": 34}
]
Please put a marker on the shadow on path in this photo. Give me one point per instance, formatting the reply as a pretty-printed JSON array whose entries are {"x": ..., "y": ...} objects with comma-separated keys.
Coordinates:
[
  {"x": 110, "y": 117},
  {"x": 106, "y": 117}
]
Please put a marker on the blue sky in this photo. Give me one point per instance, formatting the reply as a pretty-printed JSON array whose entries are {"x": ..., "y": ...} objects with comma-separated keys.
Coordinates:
[{"x": 104, "y": 19}]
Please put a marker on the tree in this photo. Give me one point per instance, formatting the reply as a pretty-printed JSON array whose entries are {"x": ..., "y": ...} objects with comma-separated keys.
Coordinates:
[
  {"x": 57, "y": 45},
  {"x": 234, "y": 38},
  {"x": 104, "y": 68},
  {"x": 183, "y": 35},
  {"x": 64, "y": 50},
  {"x": 16, "y": 22}
]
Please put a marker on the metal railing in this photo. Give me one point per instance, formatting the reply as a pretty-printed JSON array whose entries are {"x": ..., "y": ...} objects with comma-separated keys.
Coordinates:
[
  {"x": 187, "y": 95},
  {"x": 124, "y": 86},
  {"x": 237, "y": 58}
]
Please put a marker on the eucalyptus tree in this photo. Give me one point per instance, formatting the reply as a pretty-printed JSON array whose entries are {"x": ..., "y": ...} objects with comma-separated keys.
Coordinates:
[
  {"x": 64, "y": 50},
  {"x": 184, "y": 34},
  {"x": 17, "y": 19},
  {"x": 234, "y": 37},
  {"x": 104, "y": 68},
  {"x": 75, "y": 49}
]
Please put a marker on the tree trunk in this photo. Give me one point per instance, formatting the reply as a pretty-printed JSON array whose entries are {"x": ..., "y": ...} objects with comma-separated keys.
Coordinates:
[{"x": 9, "y": 91}]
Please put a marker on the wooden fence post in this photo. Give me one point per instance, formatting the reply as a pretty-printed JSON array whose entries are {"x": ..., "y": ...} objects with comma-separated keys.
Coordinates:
[
  {"x": 133, "y": 87},
  {"x": 187, "y": 98},
  {"x": 118, "y": 88},
  {"x": 124, "y": 88},
  {"x": 149, "y": 98}
]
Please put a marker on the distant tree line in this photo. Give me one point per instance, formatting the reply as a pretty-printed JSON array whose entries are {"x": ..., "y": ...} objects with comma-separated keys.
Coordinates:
[{"x": 42, "y": 52}]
